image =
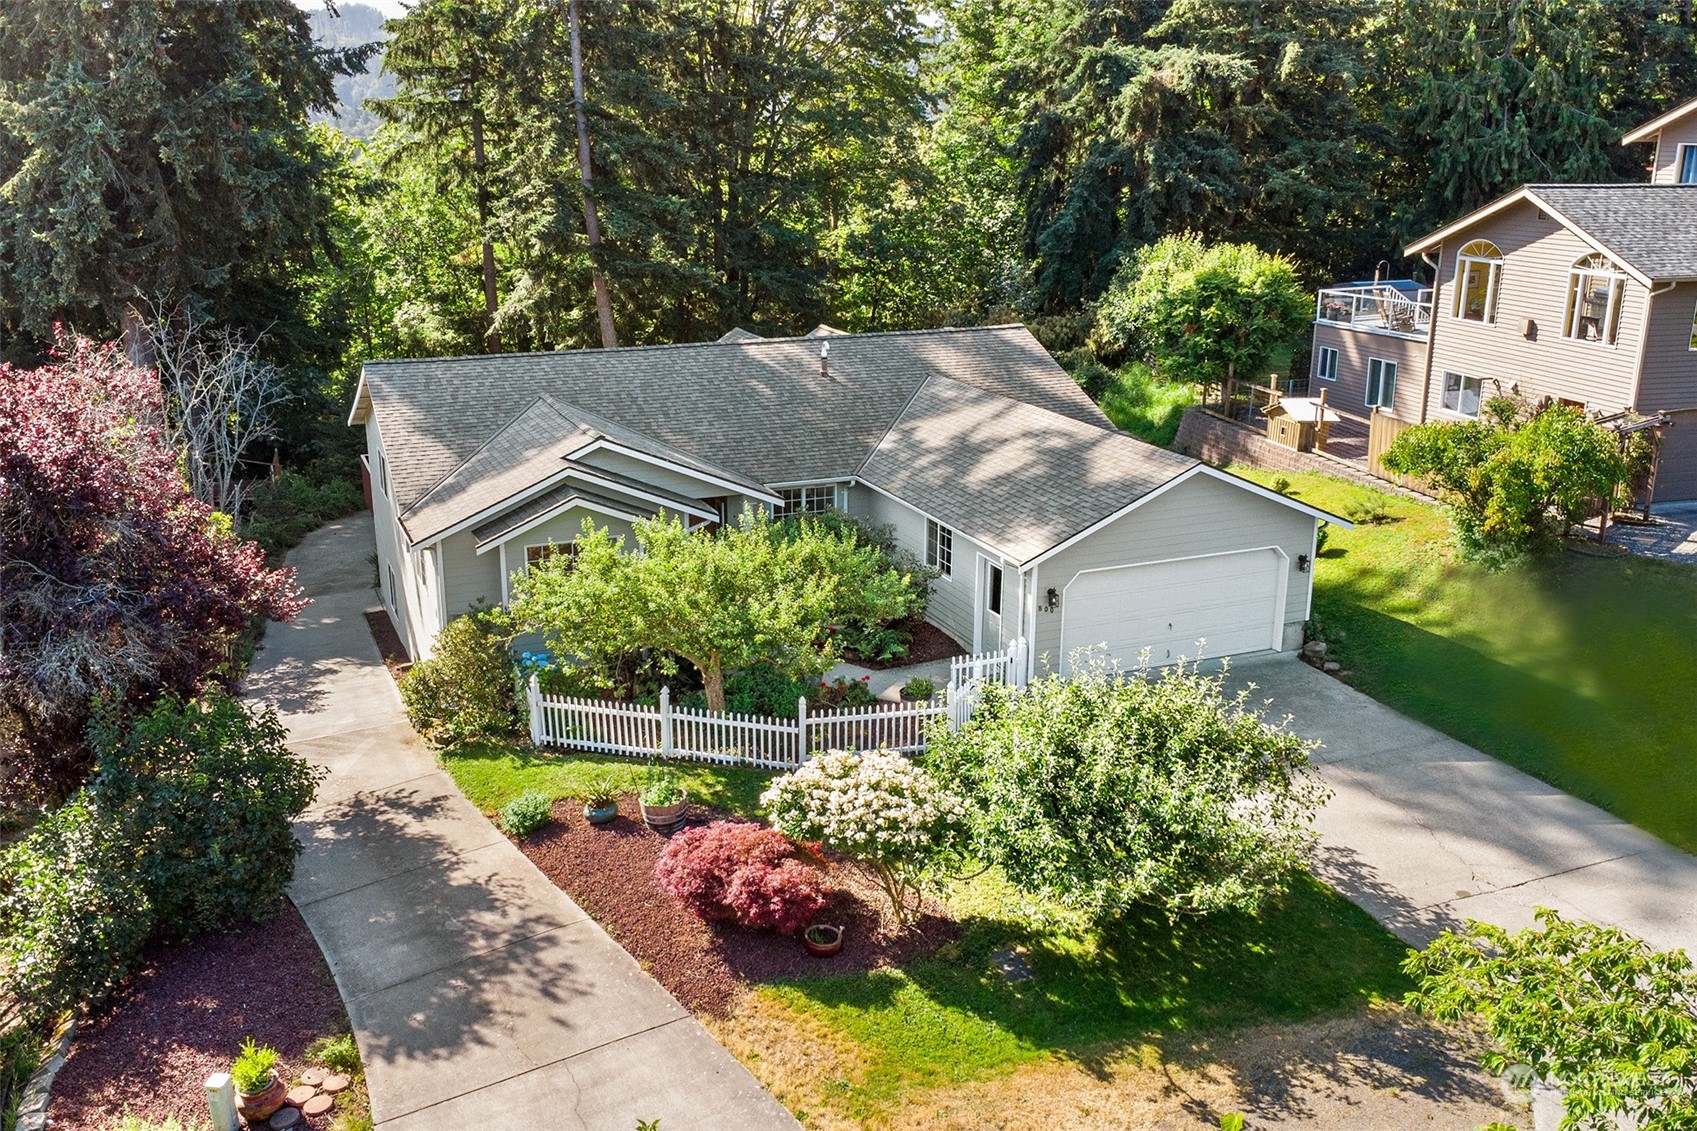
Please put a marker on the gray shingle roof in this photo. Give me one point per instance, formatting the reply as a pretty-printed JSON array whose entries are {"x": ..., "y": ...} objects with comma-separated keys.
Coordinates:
[
  {"x": 1014, "y": 476},
  {"x": 566, "y": 495},
  {"x": 761, "y": 409},
  {"x": 1651, "y": 227}
]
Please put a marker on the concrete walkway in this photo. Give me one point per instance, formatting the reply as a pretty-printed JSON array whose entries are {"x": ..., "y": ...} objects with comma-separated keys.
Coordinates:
[
  {"x": 1424, "y": 831},
  {"x": 480, "y": 995}
]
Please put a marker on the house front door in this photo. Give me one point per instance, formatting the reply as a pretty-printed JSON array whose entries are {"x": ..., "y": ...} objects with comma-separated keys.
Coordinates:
[{"x": 992, "y": 598}]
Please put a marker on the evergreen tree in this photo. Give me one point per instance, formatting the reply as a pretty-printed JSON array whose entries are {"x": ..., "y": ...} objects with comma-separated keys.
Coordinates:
[{"x": 158, "y": 150}]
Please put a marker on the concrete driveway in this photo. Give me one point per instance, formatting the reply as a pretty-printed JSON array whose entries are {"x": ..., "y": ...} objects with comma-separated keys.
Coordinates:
[
  {"x": 1424, "y": 831},
  {"x": 479, "y": 993}
]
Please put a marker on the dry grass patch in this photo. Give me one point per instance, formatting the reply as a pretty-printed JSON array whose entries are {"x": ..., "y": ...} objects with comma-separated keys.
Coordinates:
[{"x": 1381, "y": 1068}]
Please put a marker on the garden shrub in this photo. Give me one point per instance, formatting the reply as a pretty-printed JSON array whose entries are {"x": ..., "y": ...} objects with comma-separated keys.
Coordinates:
[
  {"x": 842, "y": 692},
  {"x": 878, "y": 808},
  {"x": 288, "y": 508},
  {"x": 744, "y": 872},
  {"x": 919, "y": 688},
  {"x": 526, "y": 813},
  {"x": 468, "y": 688},
  {"x": 185, "y": 826},
  {"x": 1110, "y": 789},
  {"x": 207, "y": 792},
  {"x": 76, "y": 914},
  {"x": 338, "y": 1054},
  {"x": 764, "y": 690}
]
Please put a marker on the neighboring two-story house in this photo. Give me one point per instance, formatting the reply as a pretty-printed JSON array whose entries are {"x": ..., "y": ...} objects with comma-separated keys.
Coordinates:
[{"x": 1583, "y": 294}]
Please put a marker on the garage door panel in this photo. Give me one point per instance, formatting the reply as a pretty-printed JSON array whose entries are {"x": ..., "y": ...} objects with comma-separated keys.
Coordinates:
[{"x": 1230, "y": 602}]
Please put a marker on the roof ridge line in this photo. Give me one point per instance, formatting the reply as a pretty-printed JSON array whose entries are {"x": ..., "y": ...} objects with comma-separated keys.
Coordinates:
[
  {"x": 894, "y": 420},
  {"x": 542, "y": 398}
]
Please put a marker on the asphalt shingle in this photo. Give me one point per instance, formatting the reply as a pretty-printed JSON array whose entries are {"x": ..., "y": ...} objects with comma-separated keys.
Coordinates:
[{"x": 1651, "y": 227}]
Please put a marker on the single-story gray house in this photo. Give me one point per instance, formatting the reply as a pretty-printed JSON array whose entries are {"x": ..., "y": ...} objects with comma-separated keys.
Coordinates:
[{"x": 1043, "y": 520}]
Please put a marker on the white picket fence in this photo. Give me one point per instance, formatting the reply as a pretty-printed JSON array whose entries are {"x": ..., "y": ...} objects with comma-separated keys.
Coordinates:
[{"x": 633, "y": 730}]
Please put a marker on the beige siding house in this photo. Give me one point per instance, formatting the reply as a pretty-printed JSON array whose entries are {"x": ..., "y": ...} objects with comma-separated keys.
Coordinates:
[
  {"x": 1581, "y": 294},
  {"x": 978, "y": 453}
]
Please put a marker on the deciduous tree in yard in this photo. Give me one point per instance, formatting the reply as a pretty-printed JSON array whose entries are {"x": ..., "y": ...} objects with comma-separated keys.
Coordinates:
[
  {"x": 1610, "y": 1019},
  {"x": 1108, "y": 789},
  {"x": 1204, "y": 312},
  {"x": 752, "y": 592},
  {"x": 1517, "y": 477},
  {"x": 115, "y": 582}
]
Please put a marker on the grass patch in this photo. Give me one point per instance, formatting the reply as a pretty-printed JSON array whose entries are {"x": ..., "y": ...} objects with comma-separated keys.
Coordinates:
[
  {"x": 491, "y": 774},
  {"x": 1576, "y": 669},
  {"x": 1145, "y": 405},
  {"x": 951, "y": 1018}
]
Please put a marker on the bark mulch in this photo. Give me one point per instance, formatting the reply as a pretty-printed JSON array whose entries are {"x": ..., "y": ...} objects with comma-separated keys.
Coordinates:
[
  {"x": 389, "y": 643},
  {"x": 183, "y": 1016},
  {"x": 609, "y": 871}
]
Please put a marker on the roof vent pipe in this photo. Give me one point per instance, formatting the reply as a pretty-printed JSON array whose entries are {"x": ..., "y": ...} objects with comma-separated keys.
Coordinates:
[{"x": 824, "y": 359}]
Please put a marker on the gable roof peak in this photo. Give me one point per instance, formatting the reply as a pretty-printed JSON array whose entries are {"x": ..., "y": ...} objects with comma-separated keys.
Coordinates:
[{"x": 1649, "y": 130}]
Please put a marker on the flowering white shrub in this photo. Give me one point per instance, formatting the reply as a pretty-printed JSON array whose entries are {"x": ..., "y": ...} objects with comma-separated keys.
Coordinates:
[{"x": 877, "y": 808}]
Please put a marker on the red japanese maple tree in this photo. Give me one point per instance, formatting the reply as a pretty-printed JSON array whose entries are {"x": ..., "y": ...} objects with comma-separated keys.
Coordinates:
[{"x": 115, "y": 583}]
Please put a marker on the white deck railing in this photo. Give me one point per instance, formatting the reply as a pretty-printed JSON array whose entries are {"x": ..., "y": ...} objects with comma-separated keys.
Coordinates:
[
  {"x": 694, "y": 734},
  {"x": 1381, "y": 309}
]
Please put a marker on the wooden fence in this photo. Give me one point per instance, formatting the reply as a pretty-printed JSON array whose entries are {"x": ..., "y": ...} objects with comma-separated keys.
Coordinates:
[
  {"x": 694, "y": 734},
  {"x": 1381, "y": 430}
]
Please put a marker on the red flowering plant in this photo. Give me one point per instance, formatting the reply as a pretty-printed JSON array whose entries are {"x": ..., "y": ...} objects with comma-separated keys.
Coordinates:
[
  {"x": 115, "y": 582},
  {"x": 743, "y": 872}
]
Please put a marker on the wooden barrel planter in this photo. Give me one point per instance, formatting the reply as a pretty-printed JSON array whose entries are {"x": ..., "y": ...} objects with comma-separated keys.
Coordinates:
[{"x": 664, "y": 818}]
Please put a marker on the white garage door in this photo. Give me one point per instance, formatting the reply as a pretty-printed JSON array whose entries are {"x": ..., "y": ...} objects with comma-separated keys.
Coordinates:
[{"x": 1232, "y": 602}]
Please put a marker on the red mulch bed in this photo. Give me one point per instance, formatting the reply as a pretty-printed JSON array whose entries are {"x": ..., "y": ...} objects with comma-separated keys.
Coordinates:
[
  {"x": 389, "y": 643},
  {"x": 927, "y": 643},
  {"x": 183, "y": 1016},
  {"x": 609, "y": 871}
]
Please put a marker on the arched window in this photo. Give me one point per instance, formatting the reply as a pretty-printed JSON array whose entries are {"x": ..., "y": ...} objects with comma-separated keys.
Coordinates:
[
  {"x": 1594, "y": 290},
  {"x": 1478, "y": 270}
]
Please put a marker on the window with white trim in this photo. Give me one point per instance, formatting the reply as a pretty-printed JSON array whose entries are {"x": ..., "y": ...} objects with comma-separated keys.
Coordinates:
[
  {"x": 1594, "y": 289},
  {"x": 1694, "y": 329},
  {"x": 391, "y": 594},
  {"x": 806, "y": 500},
  {"x": 993, "y": 590},
  {"x": 1478, "y": 274},
  {"x": 1687, "y": 171},
  {"x": 1326, "y": 363},
  {"x": 939, "y": 548},
  {"x": 1461, "y": 394},
  {"x": 535, "y": 555},
  {"x": 1381, "y": 383},
  {"x": 383, "y": 475}
]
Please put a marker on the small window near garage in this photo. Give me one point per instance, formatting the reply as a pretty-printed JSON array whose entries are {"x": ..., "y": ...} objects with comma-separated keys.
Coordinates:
[
  {"x": 1461, "y": 394},
  {"x": 939, "y": 548},
  {"x": 993, "y": 591},
  {"x": 1688, "y": 164},
  {"x": 806, "y": 500},
  {"x": 1326, "y": 363},
  {"x": 1478, "y": 274},
  {"x": 1381, "y": 383},
  {"x": 1694, "y": 329},
  {"x": 391, "y": 593},
  {"x": 547, "y": 551},
  {"x": 383, "y": 474},
  {"x": 1594, "y": 289}
]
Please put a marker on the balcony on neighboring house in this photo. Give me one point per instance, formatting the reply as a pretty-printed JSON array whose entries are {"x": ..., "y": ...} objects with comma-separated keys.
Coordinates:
[{"x": 1401, "y": 307}]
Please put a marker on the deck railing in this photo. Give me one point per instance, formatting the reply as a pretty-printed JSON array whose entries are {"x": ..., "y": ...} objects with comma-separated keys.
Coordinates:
[
  {"x": 1383, "y": 310},
  {"x": 694, "y": 734}
]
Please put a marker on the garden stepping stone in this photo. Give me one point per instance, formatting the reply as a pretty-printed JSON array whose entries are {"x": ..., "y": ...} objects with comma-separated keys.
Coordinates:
[
  {"x": 1011, "y": 965},
  {"x": 314, "y": 1077},
  {"x": 318, "y": 1104},
  {"x": 300, "y": 1094},
  {"x": 285, "y": 1118},
  {"x": 336, "y": 1083}
]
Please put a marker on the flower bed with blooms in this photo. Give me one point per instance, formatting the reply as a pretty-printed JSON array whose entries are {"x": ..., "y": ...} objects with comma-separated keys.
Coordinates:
[{"x": 877, "y": 808}]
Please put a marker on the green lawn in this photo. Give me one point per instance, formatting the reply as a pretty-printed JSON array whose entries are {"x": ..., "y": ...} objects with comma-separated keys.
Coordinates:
[
  {"x": 1581, "y": 670},
  {"x": 1146, "y": 406},
  {"x": 491, "y": 774},
  {"x": 951, "y": 1018}
]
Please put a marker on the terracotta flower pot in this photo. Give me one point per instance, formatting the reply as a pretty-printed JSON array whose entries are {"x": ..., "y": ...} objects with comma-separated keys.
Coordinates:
[
  {"x": 602, "y": 814},
  {"x": 822, "y": 940},
  {"x": 664, "y": 817},
  {"x": 256, "y": 1107}
]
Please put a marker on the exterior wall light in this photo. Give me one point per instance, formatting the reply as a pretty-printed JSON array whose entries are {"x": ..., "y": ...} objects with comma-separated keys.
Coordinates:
[{"x": 1302, "y": 563}]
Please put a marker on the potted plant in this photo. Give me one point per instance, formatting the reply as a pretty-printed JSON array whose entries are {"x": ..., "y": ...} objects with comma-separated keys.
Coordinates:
[
  {"x": 822, "y": 940},
  {"x": 663, "y": 799},
  {"x": 601, "y": 805},
  {"x": 260, "y": 1092}
]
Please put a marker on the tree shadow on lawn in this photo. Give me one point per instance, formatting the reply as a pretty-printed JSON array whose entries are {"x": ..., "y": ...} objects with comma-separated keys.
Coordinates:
[
  {"x": 1098, "y": 992},
  {"x": 1601, "y": 730}
]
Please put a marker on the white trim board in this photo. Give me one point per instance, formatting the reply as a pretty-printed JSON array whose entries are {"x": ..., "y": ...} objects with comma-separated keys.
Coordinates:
[{"x": 572, "y": 502}]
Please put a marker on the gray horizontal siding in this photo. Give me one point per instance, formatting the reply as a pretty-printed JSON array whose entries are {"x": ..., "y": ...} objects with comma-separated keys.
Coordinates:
[
  {"x": 1670, "y": 366},
  {"x": 951, "y": 607},
  {"x": 1201, "y": 516},
  {"x": 1538, "y": 254}
]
